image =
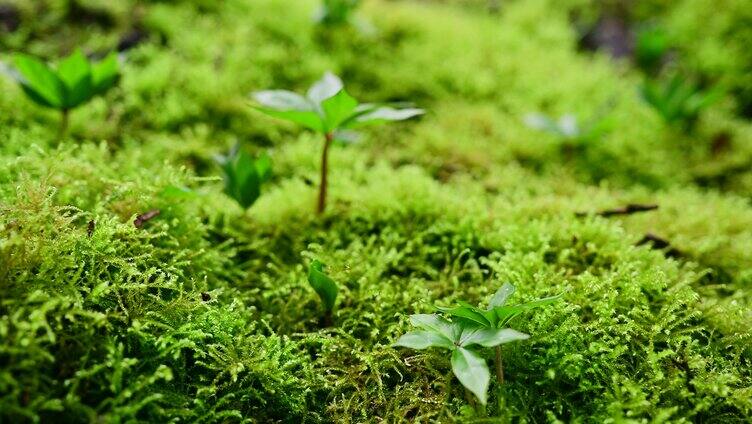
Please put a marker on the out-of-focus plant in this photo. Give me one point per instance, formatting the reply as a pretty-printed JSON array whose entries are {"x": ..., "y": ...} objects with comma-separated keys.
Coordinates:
[
  {"x": 568, "y": 128},
  {"x": 336, "y": 12},
  {"x": 74, "y": 81},
  {"x": 329, "y": 110},
  {"x": 651, "y": 46},
  {"x": 243, "y": 175},
  {"x": 678, "y": 100}
]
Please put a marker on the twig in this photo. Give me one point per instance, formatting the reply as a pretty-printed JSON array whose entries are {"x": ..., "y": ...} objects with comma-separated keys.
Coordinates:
[
  {"x": 145, "y": 217},
  {"x": 625, "y": 210},
  {"x": 659, "y": 243}
]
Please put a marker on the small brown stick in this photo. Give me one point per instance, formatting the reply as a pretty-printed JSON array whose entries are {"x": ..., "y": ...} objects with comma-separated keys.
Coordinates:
[
  {"x": 90, "y": 228},
  {"x": 145, "y": 217},
  {"x": 625, "y": 210},
  {"x": 659, "y": 243}
]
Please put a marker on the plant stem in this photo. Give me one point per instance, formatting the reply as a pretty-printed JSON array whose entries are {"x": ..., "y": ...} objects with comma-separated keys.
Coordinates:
[
  {"x": 499, "y": 366},
  {"x": 329, "y": 137},
  {"x": 328, "y": 320},
  {"x": 64, "y": 119}
]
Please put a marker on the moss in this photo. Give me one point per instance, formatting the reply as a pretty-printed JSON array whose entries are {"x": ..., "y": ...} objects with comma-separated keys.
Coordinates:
[{"x": 204, "y": 315}]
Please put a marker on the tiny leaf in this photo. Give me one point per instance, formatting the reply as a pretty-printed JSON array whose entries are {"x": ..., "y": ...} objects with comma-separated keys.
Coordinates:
[
  {"x": 500, "y": 297},
  {"x": 423, "y": 339},
  {"x": 39, "y": 82},
  {"x": 472, "y": 371},
  {"x": 328, "y": 86},
  {"x": 337, "y": 109},
  {"x": 324, "y": 286},
  {"x": 289, "y": 106},
  {"x": 75, "y": 73},
  {"x": 490, "y": 337}
]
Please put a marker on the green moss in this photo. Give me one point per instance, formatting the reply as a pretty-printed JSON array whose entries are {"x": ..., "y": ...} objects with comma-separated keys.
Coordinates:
[{"x": 204, "y": 314}]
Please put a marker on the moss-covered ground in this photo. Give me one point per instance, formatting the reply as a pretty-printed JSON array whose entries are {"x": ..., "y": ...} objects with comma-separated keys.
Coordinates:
[{"x": 204, "y": 313}]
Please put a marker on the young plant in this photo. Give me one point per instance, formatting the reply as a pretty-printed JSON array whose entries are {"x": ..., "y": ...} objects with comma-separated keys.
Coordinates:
[
  {"x": 462, "y": 339},
  {"x": 496, "y": 316},
  {"x": 336, "y": 12},
  {"x": 329, "y": 110},
  {"x": 243, "y": 175},
  {"x": 325, "y": 287},
  {"x": 74, "y": 81},
  {"x": 471, "y": 328},
  {"x": 678, "y": 101},
  {"x": 569, "y": 129}
]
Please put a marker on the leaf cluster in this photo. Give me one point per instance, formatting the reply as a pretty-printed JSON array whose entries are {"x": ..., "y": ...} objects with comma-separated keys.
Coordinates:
[
  {"x": 244, "y": 175},
  {"x": 328, "y": 108},
  {"x": 678, "y": 100},
  {"x": 470, "y": 328},
  {"x": 74, "y": 81}
]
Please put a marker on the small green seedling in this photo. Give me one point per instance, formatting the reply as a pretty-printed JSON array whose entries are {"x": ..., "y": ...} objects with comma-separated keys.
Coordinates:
[
  {"x": 74, "y": 81},
  {"x": 462, "y": 340},
  {"x": 244, "y": 175},
  {"x": 325, "y": 287},
  {"x": 472, "y": 327},
  {"x": 336, "y": 12},
  {"x": 496, "y": 316},
  {"x": 329, "y": 110},
  {"x": 569, "y": 129},
  {"x": 678, "y": 100}
]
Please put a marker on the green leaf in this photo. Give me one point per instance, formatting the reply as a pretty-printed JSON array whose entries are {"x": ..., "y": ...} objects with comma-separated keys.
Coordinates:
[
  {"x": 540, "y": 302},
  {"x": 435, "y": 323},
  {"x": 472, "y": 371},
  {"x": 504, "y": 314},
  {"x": 501, "y": 295},
  {"x": 338, "y": 109},
  {"x": 39, "y": 82},
  {"x": 289, "y": 106},
  {"x": 104, "y": 74},
  {"x": 325, "y": 88},
  {"x": 383, "y": 114},
  {"x": 242, "y": 178},
  {"x": 75, "y": 73},
  {"x": 263, "y": 167},
  {"x": 175, "y": 192},
  {"x": 322, "y": 284},
  {"x": 490, "y": 337},
  {"x": 469, "y": 313},
  {"x": 423, "y": 339}
]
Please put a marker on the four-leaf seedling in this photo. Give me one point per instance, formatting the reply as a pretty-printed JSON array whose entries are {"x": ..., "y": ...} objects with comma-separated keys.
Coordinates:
[
  {"x": 244, "y": 175},
  {"x": 325, "y": 287},
  {"x": 470, "y": 328},
  {"x": 569, "y": 129},
  {"x": 74, "y": 81},
  {"x": 329, "y": 110}
]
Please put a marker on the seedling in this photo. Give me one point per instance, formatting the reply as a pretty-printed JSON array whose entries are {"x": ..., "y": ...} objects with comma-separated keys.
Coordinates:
[
  {"x": 569, "y": 129},
  {"x": 496, "y": 316},
  {"x": 243, "y": 175},
  {"x": 678, "y": 101},
  {"x": 74, "y": 81},
  {"x": 329, "y": 110},
  {"x": 336, "y": 12},
  {"x": 325, "y": 287},
  {"x": 470, "y": 328},
  {"x": 461, "y": 339}
]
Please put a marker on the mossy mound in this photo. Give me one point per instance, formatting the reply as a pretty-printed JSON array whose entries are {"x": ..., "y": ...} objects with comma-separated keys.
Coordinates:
[{"x": 203, "y": 312}]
